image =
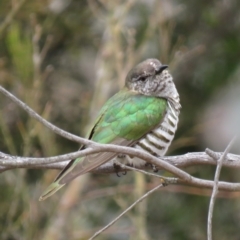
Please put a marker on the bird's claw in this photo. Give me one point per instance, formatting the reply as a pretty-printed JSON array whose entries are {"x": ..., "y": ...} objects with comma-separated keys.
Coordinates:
[
  {"x": 154, "y": 168},
  {"x": 117, "y": 168}
]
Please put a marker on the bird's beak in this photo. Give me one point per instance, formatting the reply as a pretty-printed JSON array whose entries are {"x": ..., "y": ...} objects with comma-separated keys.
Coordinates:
[{"x": 161, "y": 68}]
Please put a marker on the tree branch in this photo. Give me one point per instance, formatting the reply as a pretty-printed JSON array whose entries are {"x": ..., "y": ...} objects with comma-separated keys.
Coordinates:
[
  {"x": 125, "y": 211},
  {"x": 215, "y": 188},
  {"x": 190, "y": 159},
  {"x": 170, "y": 164},
  {"x": 47, "y": 124},
  {"x": 9, "y": 162}
]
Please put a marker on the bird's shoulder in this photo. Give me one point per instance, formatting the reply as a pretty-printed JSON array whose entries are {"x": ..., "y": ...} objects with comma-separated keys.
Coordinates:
[{"x": 128, "y": 115}]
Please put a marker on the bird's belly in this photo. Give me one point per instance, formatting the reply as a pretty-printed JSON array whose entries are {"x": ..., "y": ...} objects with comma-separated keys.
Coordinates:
[{"x": 158, "y": 140}]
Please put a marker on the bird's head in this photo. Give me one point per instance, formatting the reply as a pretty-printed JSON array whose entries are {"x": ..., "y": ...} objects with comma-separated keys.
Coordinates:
[{"x": 152, "y": 78}]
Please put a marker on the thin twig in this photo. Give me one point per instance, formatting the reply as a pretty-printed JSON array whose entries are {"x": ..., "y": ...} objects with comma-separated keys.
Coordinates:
[
  {"x": 46, "y": 47},
  {"x": 26, "y": 162},
  {"x": 167, "y": 180},
  {"x": 125, "y": 211},
  {"x": 215, "y": 189},
  {"x": 212, "y": 154},
  {"x": 47, "y": 124}
]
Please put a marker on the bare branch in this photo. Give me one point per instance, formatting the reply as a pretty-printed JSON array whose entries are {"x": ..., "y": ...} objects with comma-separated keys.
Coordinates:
[
  {"x": 184, "y": 178},
  {"x": 181, "y": 161},
  {"x": 17, "y": 162},
  {"x": 215, "y": 188},
  {"x": 167, "y": 163},
  {"x": 47, "y": 124},
  {"x": 166, "y": 179},
  {"x": 125, "y": 211}
]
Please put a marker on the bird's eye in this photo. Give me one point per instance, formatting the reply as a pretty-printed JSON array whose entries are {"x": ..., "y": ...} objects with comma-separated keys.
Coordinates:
[{"x": 142, "y": 78}]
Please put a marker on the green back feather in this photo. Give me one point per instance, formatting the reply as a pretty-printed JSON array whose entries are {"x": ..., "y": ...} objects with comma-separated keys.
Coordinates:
[{"x": 128, "y": 115}]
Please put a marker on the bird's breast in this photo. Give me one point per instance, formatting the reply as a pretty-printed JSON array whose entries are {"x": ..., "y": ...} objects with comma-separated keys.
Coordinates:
[{"x": 158, "y": 140}]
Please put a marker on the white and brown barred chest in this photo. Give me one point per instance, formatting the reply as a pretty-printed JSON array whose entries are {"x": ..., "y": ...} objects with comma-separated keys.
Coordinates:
[{"x": 157, "y": 141}]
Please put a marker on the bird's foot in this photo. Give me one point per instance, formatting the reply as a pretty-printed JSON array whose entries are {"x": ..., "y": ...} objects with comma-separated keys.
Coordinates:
[
  {"x": 117, "y": 168},
  {"x": 164, "y": 182},
  {"x": 154, "y": 168}
]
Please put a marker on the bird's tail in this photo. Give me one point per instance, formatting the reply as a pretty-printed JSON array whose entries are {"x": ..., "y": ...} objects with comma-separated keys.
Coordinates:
[
  {"x": 54, "y": 187},
  {"x": 75, "y": 168},
  {"x": 65, "y": 176}
]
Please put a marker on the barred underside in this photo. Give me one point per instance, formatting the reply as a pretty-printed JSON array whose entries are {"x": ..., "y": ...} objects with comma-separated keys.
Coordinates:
[{"x": 158, "y": 140}]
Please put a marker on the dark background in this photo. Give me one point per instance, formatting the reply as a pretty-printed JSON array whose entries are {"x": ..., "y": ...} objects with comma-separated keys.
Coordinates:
[{"x": 64, "y": 59}]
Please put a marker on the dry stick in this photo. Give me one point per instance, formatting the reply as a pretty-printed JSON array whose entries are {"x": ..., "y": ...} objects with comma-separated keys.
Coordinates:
[
  {"x": 47, "y": 124},
  {"x": 29, "y": 162},
  {"x": 125, "y": 211},
  {"x": 108, "y": 167},
  {"x": 215, "y": 189},
  {"x": 167, "y": 180},
  {"x": 182, "y": 161},
  {"x": 183, "y": 176},
  {"x": 190, "y": 159}
]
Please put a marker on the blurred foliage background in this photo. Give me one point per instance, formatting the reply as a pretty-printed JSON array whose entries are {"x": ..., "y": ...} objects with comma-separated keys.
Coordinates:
[{"x": 64, "y": 58}]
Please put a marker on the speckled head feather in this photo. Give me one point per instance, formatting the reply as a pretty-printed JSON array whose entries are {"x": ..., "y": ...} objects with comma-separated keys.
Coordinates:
[{"x": 152, "y": 78}]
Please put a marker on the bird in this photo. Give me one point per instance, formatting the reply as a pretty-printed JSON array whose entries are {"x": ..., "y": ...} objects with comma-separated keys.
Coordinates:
[{"x": 144, "y": 115}]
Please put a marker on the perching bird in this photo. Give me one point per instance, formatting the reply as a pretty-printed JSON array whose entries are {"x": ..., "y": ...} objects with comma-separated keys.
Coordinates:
[{"x": 143, "y": 115}]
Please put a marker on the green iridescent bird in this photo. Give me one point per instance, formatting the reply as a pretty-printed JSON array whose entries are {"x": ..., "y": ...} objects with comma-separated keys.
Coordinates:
[{"x": 143, "y": 115}]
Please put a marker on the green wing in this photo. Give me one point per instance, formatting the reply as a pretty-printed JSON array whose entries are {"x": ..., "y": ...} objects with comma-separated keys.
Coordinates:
[{"x": 123, "y": 120}]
